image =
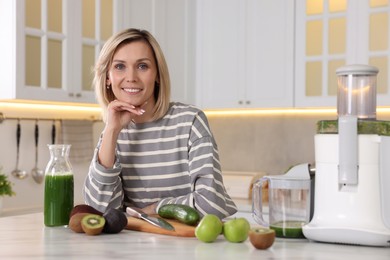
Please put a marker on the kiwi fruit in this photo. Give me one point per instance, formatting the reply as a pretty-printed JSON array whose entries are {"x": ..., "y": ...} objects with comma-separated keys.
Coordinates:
[
  {"x": 84, "y": 208},
  {"x": 261, "y": 238},
  {"x": 75, "y": 222},
  {"x": 116, "y": 221},
  {"x": 92, "y": 224}
]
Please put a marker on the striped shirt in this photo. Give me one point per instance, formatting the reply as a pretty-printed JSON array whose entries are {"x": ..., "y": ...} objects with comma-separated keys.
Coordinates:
[{"x": 173, "y": 160}]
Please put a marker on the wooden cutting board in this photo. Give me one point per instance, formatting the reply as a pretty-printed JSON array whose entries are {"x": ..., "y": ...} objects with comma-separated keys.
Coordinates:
[{"x": 181, "y": 229}]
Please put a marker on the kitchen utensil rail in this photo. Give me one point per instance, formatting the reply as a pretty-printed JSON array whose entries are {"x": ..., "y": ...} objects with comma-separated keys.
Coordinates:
[{"x": 3, "y": 117}]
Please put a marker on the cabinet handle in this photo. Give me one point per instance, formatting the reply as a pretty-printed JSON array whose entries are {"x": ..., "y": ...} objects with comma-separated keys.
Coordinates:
[
  {"x": 78, "y": 95},
  {"x": 240, "y": 102},
  {"x": 248, "y": 102},
  {"x": 71, "y": 94}
]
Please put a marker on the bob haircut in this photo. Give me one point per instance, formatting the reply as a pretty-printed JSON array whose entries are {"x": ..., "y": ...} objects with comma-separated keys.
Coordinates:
[{"x": 162, "y": 87}]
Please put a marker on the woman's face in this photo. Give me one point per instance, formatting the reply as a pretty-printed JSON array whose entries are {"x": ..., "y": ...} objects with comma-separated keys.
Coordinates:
[{"x": 133, "y": 73}]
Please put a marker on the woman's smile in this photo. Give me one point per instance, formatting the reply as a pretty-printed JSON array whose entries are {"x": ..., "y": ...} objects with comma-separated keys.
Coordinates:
[{"x": 132, "y": 90}]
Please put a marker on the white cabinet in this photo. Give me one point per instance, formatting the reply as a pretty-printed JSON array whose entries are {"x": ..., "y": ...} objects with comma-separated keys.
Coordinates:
[
  {"x": 172, "y": 22},
  {"x": 49, "y": 47},
  {"x": 330, "y": 34},
  {"x": 245, "y": 53}
]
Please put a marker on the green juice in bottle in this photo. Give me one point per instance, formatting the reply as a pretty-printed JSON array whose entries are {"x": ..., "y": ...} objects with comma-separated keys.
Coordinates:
[
  {"x": 59, "y": 187},
  {"x": 58, "y": 199}
]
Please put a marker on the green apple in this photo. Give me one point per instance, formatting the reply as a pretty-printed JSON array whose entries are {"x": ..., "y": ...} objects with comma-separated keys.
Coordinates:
[
  {"x": 209, "y": 228},
  {"x": 236, "y": 230}
]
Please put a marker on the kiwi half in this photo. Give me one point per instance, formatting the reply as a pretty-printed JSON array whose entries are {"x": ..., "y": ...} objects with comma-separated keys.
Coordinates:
[
  {"x": 75, "y": 222},
  {"x": 93, "y": 224},
  {"x": 116, "y": 221},
  {"x": 261, "y": 238}
]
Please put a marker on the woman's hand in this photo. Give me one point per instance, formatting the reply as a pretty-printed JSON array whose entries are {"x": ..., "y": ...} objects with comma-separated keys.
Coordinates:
[
  {"x": 120, "y": 114},
  {"x": 151, "y": 209}
]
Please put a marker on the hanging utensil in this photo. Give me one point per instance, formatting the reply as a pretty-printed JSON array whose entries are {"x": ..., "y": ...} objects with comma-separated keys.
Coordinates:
[
  {"x": 36, "y": 173},
  {"x": 20, "y": 174},
  {"x": 53, "y": 132}
]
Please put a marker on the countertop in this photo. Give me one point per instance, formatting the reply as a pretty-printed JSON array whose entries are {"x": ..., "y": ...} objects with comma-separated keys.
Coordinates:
[{"x": 25, "y": 236}]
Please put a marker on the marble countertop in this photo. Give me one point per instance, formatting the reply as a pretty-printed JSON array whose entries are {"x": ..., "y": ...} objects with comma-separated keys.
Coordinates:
[{"x": 25, "y": 236}]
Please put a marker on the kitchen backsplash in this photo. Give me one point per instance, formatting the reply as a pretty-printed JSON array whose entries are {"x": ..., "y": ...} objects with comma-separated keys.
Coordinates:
[
  {"x": 29, "y": 194},
  {"x": 267, "y": 143},
  {"x": 263, "y": 143}
]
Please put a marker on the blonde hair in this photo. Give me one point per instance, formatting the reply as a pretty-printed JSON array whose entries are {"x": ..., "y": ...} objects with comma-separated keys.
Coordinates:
[{"x": 162, "y": 89}]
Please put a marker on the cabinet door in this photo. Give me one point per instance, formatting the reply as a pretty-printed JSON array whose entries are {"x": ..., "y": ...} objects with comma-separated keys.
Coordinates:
[
  {"x": 245, "y": 53},
  {"x": 52, "y": 57},
  {"x": 221, "y": 49},
  {"x": 377, "y": 33},
  {"x": 333, "y": 33},
  {"x": 270, "y": 54},
  {"x": 37, "y": 45},
  {"x": 172, "y": 23},
  {"x": 321, "y": 47},
  {"x": 96, "y": 24}
]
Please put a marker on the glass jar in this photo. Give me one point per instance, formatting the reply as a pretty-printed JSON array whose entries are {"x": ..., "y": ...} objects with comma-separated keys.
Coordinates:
[{"x": 59, "y": 187}]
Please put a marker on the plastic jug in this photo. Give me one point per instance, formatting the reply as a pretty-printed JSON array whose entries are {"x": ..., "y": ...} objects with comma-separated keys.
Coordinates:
[{"x": 289, "y": 201}]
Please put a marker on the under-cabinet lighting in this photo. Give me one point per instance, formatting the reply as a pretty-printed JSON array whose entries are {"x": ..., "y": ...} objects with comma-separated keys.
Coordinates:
[
  {"x": 48, "y": 110},
  {"x": 283, "y": 111},
  {"x": 56, "y": 110}
]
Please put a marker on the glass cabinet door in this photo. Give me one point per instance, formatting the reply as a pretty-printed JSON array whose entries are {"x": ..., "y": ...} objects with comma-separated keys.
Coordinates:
[
  {"x": 333, "y": 33},
  {"x": 378, "y": 44},
  {"x": 321, "y": 49},
  {"x": 97, "y": 27},
  {"x": 44, "y": 44},
  {"x": 61, "y": 41}
]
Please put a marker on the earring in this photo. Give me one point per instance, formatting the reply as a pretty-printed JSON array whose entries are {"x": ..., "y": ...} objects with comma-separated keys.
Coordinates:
[{"x": 108, "y": 86}]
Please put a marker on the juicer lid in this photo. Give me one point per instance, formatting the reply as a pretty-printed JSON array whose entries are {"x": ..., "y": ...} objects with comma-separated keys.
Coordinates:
[{"x": 357, "y": 69}]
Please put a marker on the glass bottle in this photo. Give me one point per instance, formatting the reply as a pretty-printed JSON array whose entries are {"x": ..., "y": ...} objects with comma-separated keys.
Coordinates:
[{"x": 59, "y": 187}]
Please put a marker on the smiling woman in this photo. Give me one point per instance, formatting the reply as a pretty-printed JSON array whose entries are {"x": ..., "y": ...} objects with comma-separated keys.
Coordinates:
[{"x": 152, "y": 151}]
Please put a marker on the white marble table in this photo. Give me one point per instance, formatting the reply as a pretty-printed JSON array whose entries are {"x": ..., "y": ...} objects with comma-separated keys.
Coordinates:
[{"x": 25, "y": 237}]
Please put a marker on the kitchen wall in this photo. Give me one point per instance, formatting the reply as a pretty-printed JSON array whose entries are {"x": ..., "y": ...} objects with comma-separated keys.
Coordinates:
[
  {"x": 263, "y": 143},
  {"x": 268, "y": 144},
  {"x": 29, "y": 194}
]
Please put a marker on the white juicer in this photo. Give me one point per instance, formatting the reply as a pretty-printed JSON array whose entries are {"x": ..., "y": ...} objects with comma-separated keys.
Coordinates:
[{"x": 352, "y": 187}]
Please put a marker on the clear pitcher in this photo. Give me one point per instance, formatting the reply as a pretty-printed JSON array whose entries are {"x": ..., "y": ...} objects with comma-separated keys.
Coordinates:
[
  {"x": 59, "y": 187},
  {"x": 289, "y": 202}
]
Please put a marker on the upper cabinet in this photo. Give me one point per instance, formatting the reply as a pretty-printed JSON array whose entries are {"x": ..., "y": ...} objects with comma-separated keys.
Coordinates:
[
  {"x": 245, "y": 53},
  {"x": 50, "y": 47},
  {"x": 333, "y": 33},
  {"x": 221, "y": 53},
  {"x": 172, "y": 22}
]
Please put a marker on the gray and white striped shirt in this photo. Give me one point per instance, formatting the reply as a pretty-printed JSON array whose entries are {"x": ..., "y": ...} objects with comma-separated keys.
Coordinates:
[{"x": 171, "y": 160}]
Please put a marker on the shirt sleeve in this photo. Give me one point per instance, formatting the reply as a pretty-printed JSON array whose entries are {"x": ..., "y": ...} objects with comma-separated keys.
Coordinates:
[
  {"x": 103, "y": 186},
  {"x": 208, "y": 194}
]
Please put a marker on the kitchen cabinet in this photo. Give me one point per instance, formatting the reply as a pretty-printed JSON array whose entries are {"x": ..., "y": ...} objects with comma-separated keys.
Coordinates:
[
  {"x": 333, "y": 33},
  {"x": 172, "y": 22},
  {"x": 244, "y": 53},
  {"x": 49, "y": 47}
]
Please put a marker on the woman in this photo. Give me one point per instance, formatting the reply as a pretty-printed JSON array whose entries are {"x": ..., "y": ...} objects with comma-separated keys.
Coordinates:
[{"x": 151, "y": 152}]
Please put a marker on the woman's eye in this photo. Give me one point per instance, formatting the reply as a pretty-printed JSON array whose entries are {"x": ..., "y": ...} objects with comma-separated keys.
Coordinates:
[
  {"x": 142, "y": 66},
  {"x": 119, "y": 66}
]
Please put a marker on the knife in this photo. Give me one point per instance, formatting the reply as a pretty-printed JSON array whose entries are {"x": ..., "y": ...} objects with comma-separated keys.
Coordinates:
[{"x": 159, "y": 222}]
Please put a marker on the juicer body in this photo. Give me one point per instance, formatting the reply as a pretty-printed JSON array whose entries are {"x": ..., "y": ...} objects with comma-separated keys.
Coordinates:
[{"x": 352, "y": 214}]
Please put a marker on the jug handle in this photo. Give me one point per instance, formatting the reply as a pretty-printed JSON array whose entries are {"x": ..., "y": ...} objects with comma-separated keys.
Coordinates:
[{"x": 257, "y": 201}]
